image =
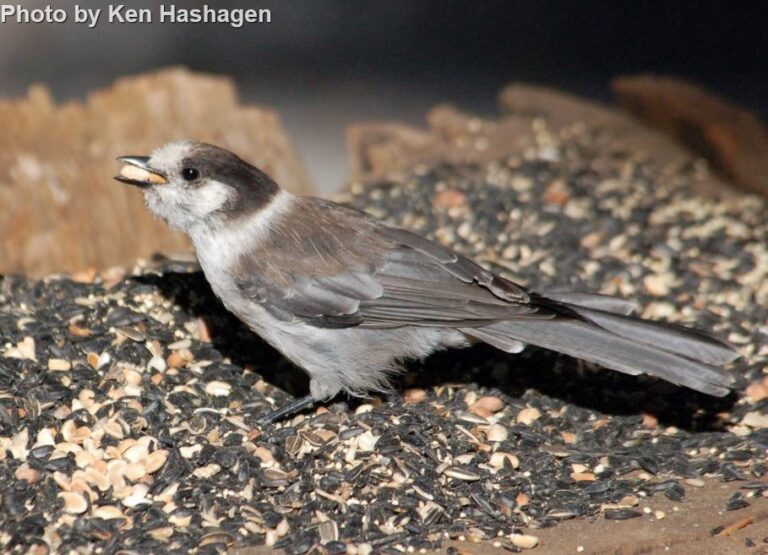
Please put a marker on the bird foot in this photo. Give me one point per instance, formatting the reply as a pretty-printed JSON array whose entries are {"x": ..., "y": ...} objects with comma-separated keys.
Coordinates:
[{"x": 295, "y": 406}]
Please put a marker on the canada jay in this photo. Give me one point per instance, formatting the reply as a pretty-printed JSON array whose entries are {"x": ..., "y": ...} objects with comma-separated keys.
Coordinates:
[{"x": 347, "y": 297}]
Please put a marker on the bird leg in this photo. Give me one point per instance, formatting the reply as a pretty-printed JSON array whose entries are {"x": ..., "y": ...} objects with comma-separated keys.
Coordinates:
[{"x": 297, "y": 405}]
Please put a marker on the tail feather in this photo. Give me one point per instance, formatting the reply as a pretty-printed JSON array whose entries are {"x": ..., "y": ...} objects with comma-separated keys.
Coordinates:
[
  {"x": 680, "y": 340},
  {"x": 605, "y": 303},
  {"x": 630, "y": 345}
]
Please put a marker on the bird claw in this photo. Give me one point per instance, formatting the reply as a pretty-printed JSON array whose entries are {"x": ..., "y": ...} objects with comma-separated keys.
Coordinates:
[{"x": 295, "y": 406}]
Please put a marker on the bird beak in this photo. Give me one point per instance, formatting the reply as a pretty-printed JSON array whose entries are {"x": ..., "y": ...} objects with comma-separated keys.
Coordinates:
[{"x": 136, "y": 171}]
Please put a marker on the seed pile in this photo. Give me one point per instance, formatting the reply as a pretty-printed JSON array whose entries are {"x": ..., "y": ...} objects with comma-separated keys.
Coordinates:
[{"x": 128, "y": 403}]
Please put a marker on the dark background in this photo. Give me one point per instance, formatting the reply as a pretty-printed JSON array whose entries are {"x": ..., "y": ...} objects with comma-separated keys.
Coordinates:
[{"x": 326, "y": 63}]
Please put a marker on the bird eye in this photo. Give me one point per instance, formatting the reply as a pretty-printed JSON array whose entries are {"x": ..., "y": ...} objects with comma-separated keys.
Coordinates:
[{"x": 190, "y": 174}]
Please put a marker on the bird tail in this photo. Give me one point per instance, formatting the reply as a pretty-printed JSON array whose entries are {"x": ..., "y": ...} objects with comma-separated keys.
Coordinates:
[{"x": 601, "y": 330}]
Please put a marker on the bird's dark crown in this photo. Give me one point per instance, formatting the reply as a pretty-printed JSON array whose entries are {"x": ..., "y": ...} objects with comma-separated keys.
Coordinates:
[{"x": 254, "y": 188}]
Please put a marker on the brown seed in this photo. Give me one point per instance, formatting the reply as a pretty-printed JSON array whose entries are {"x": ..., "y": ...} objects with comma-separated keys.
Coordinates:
[
  {"x": 24, "y": 349},
  {"x": 73, "y": 434},
  {"x": 180, "y": 358},
  {"x": 470, "y": 398},
  {"x": 497, "y": 432},
  {"x": 282, "y": 528},
  {"x": 156, "y": 460},
  {"x": 97, "y": 477},
  {"x": 214, "y": 437},
  {"x": 121, "y": 490},
  {"x": 325, "y": 435},
  {"x": 26, "y": 472},
  {"x": 481, "y": 412},
  {"x": 207, "y": 471},
  {"x": 270, "y": 538},
  {"x": 157, "y": 363},
  {"x": 203, "y": 331},
  {"x": 218, "y": 537},
  {"x": 218, "y": 388},
  {"x": 583, "y": 477},
  {"x": 568, "y": 437},
  {"x": 79, "y": 485},
  {"x": 84, "y": 276},
  {"x": 131, "y": 376},
  {"x": 600, "y": 423},
  {"x": 116, "y": 469},
  {"x": 362, "y": 409},
  {"x": 450, "y": 198},
  {"x": 475, "y": 535},
  {"x": 528, "y": 416},
  {"x": 499, "y": 459},
  {"x": 649, "y": 420},
  {"x": 524, "y": 541},
  {"x": 591, "y": 240},
  {"x": 135, "y": 471},
  {"x": 45, "y": 437},
  {"x": 522, "y": 499},
  {"x": 179, "y": 345},
  {"x": 629, "y": 501},
  {"x": 58, "y": 365},
  {"x": 365, "y": 441},
  {"x": 489, "y": 404},
  {"x": 74, "y": 503},
  {"x": 755, "y": 419},
  {"x": 189, "y": 451},
  {"x": 413, "y": 396},
  {"x": 757, "y": 392},
  {"x": 138, "y": 496},
  {"x": 162, "y": 534},
  {"x": 78, "y": 331},
  {"x": 182, "y": 521},
  {"x": 138, "y": 452},
  {"x": 658, "y": 284},
  {"x": 556, "y": 193},
  {"x": 466, "y": 458},
  {"x": 62, "y": 480},
  {"x": 108, "y": 512},
  {"x": 93, "y": 360}
]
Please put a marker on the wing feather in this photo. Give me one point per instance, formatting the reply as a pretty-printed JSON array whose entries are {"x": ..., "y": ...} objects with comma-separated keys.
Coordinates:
[{"x": 358, "y": 272}]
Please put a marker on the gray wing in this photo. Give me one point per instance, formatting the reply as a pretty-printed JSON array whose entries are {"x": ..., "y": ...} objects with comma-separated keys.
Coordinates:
[
  {"x": 426, "y": 284},
  {"x": 367, "y": 274}
]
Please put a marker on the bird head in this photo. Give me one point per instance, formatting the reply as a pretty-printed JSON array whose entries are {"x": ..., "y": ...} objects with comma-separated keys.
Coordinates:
[{"x": 191, "y": 184}]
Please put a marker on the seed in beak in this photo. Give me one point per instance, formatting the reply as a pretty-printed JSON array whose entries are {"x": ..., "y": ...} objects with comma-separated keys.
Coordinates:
[{"x": 139, "y": 174}]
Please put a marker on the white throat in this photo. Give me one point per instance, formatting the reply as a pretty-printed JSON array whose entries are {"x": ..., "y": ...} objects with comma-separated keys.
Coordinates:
[
  {"x": 185, "y": 209},
  {"x": 218, "y": 246}
]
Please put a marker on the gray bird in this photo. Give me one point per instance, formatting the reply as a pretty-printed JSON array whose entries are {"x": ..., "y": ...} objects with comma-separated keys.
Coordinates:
[{"x": 347, "y": 298}]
